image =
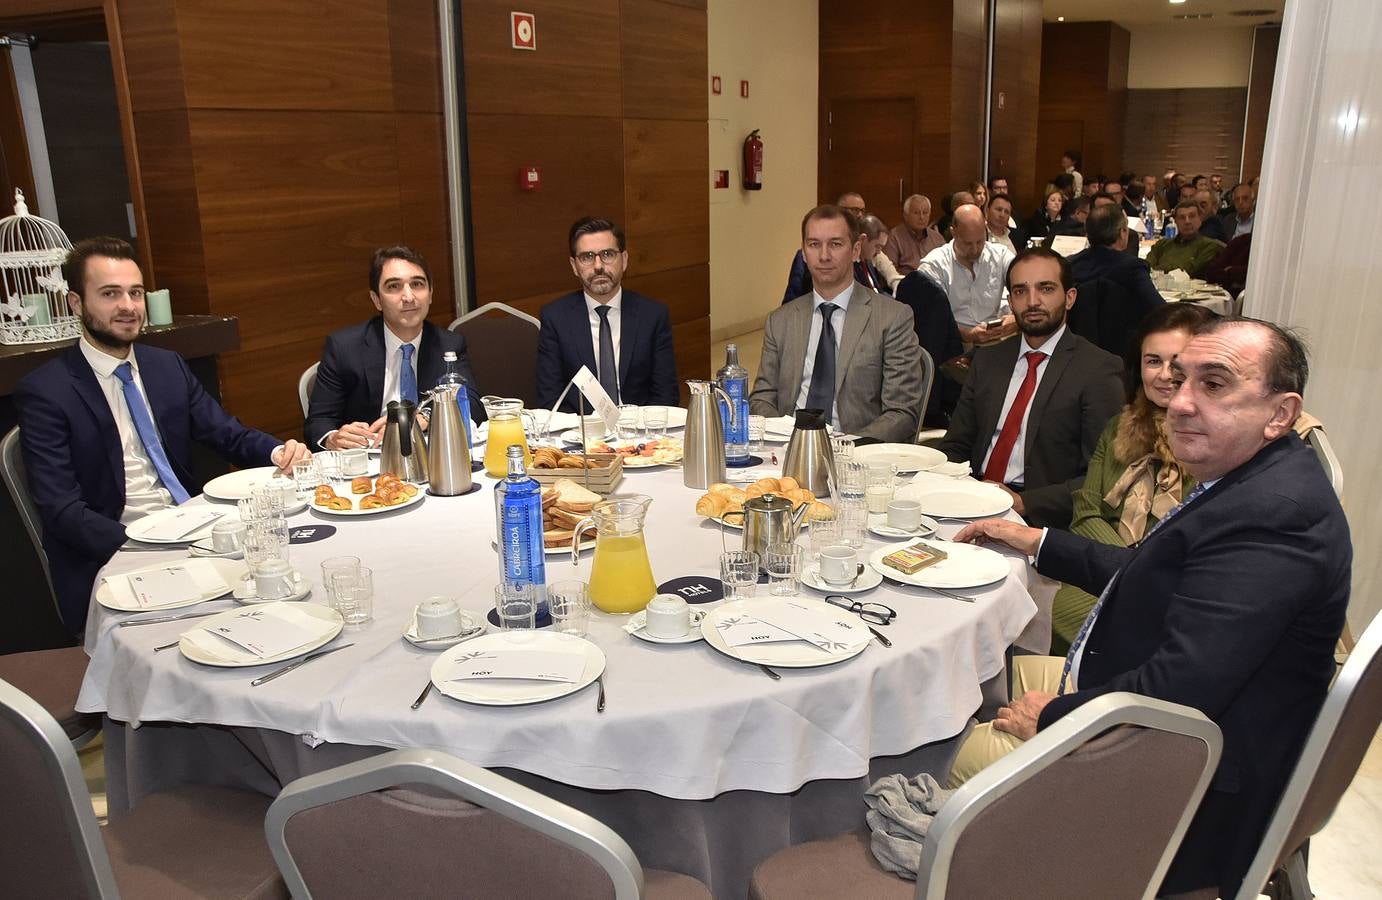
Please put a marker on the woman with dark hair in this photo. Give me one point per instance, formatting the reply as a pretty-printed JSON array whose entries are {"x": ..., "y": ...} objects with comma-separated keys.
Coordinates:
[
  {"x": 1039, "y": 225},
  {"x": 1133, "y": 479}
]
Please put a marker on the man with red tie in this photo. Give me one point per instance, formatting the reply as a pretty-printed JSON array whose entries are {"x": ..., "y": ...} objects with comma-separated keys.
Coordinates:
[{"x": 1032, "y": 409}]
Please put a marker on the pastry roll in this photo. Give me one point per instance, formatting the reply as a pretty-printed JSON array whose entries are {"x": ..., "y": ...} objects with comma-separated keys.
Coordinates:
[
  {"x": 338, "y": 503},
  {"x": 372, "y": 501},
  {"x": 360, "y": 485}
]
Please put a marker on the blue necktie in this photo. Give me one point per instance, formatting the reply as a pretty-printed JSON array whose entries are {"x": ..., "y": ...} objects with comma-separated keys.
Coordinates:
[
  {"x": 1094, "y": 613},
  {"x": 407, "y": 378},
  {"x": 148, "y": 435}
]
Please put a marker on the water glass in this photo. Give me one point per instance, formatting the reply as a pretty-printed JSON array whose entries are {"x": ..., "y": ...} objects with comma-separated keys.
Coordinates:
[
  {"x": 843, "y": 450},
  {"x": 758, "y": 429},
  {"x": 784, "y": 563},
  {"x": 628, "y": 422},
  {"x": 853, "y": 516},
  {"x": 328, "y": 465},
  {"x": 330, "y": 567},
  {"x": 655, "y": 422},
  {"x": 739, "y": 574},
  {"x": 879, "y": 486},
  {"x": 516, "y": 606},
  {"x": 569, "y": 602},
  {"x": 354, "y": 594},
  {"x": 307, "y": 475},
  {"x": 825, "y": 532}
]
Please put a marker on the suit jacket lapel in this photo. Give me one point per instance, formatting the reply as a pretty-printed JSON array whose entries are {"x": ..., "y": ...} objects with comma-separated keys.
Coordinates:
[
  {"x": 798, "y": 333},
  {"x": 1060, "y": 358},
  {"x": 856, "y": 321},
  {"x": 1000, "y": 374},
  {"x": 374, "y": 363},
  {"x": 628, "y": 335},
  {"x": 580, "y": 327},
  {"x": 84, "y": 381},
  {"x": 429, "y": 363}
]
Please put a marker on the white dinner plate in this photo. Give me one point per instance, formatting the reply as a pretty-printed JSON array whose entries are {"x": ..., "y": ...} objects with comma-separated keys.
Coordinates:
[
  {"x": 907, "y": 457},
  {"x": 868, "y": 580},
  {"x": 668, "y": 453},
  {"x": 239, "y": 485},
  {"x": 227, "y": 570},
  {"x": 330, "y": 623},
  {"x": 965, "y": 566},
  {"x": 878, "y": 524},
  {"x": 959, "y": 499},
  {"x": 471, "y": 628},
  {"x": 854, "y": 635},
  {"x": 516, "y": 692},
  {"x": 736, "y": 525},
  {"x": 691, "y": 636},
  {"x": 139, "y": 529},
  {"x": 343, "y": 490}
]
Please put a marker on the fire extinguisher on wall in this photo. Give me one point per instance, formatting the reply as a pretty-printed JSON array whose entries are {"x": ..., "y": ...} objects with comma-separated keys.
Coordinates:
[{"x": 753, "y": 162}]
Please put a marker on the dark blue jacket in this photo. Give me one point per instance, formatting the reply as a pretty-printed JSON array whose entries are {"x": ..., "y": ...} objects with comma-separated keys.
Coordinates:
[{"x": 647, "y": 361}]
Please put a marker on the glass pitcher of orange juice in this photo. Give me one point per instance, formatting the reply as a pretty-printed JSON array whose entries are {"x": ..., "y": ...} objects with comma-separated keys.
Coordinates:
[
  {"x": 506, "y": 428},
  {"x": 621, "y": 578}
]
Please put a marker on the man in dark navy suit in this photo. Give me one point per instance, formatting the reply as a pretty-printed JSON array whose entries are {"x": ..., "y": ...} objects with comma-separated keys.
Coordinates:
[
  {"x": 1232, "y": 604},
  {"x": 107, "y": 428},
  {"x": 623, "y": 337},
  {"x": 1114, "y": 288},
  {"x": 397, "y": 355}
]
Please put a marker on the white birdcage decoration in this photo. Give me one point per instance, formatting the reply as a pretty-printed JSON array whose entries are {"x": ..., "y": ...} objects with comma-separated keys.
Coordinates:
[{"x": 33, "y": 293}]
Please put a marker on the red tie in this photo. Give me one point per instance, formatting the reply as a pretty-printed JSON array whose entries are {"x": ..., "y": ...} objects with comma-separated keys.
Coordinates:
[{"x": 998, "y": 460}]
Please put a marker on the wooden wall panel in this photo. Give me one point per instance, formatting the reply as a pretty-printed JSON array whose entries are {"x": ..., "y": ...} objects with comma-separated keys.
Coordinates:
[
  {"x": 968, "y": 49},
  {"x": 667, "y": 218},
  {"x": 664, "y": 63},
  {"x": 692, "y": 342},
  {"x": 574, "y": 71},
  {"x": 260, "y": 386},
  {"x": 1017, "y": 77},
  {"x": 423, "y": 209},
  {"x": 1266, "y": 39},
  {"x": 1194, "y": 130},
  {"x": 1083, "y": 92},
  {"x": 416, "y": 56},
  {"x": 172, "y": 216},
  {"x": 685, "y": 291}
]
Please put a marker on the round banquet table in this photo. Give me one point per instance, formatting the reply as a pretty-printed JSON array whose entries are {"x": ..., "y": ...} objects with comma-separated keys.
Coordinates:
[{"x": 688, "y": 733}]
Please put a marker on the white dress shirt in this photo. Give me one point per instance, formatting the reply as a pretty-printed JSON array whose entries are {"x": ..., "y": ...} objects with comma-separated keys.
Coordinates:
[
  {"x": 977, "y": 297},
  {"x": 813, "y": 340},
  {"x": 393, "y": 367},
  {"x": 144, "y": 493},
  {"x": 1003, "y": 240},
  {"x": 616, "y": 312},
  {"x": 1244, "y": 226},
  {"x": 1017, "y": 460}
]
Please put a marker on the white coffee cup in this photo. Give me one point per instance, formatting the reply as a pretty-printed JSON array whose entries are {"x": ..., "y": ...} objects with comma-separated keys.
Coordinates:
[
  {"x": 839, "y": 564},
  {"x": 594, "y": 426},
  {"x": 274, "y": 579},
  {"x": 438, "y": 617},
  {"x": 669, "y": 616},
  {"x": 227, "y": 536},
  {"x": 904, "y": 515},
  {"x": 354, "y": 462}
]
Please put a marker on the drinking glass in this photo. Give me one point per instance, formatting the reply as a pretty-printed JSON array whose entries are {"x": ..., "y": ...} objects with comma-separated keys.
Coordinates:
[
  {"x": 307, "y": 475},
  {"x": 783, "y": 562},
  {"x": 655, "y": 422},
  {"x": 879, "y": 486},
  {"x": 330, "y": 567},
  {"x": 758, "y": 428},
  {"x": 516, "y": 606},
  {"x": 824, "y": 532},
  {"x": 843, "y": 450},
  {"x": 328, "y": 465},
  {"x": 628, "y": 422},
  {"x": 853, "y": 516},
  {"x": 739, "y": 574},
  {"x": 569, "y": 602},
  {"x": 354, "y": 593}
]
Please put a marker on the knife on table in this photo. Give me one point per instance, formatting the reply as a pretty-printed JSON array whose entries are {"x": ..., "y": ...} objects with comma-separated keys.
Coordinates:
[{"x": 291, "y": 666}]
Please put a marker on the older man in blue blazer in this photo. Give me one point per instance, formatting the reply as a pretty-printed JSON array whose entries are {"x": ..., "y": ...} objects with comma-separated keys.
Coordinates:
[
  {"x": 623, "y": 337},
  {"x": 107, "y": 428}
]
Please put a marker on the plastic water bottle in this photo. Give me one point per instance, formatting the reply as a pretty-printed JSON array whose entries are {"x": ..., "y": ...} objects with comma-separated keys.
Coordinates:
[
  {"x": 734, "y": 381},
  {"x": 1148, "y": 220},
  {"x": 1169, "y": 230},
  {"x": 452, "y": 375},
  {"x": 518, "y": 514}
]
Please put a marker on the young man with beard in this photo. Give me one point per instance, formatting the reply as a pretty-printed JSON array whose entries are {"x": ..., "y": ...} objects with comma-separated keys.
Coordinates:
[
  {"x": 1032, "y": 410},
  {"x": 107, "y": 428}
]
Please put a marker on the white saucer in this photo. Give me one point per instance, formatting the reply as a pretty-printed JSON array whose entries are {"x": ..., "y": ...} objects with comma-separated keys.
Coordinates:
[
  {"x": 471, "y": 627},
  {"x": 203, "y": 548},
  {"x": 868, "y": 580},
  {"x": 689, "y": 638},
  {"x": 878, "y": 524},
  {"x": 304, "y": 588}
]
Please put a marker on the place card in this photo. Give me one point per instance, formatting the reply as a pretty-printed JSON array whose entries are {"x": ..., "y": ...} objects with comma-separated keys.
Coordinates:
[
  {"x": 263, "y": 633},
  {"x": 160, "y": 587},
  {"x": 206, "y": 582},
  {"x": 797, "y": 621},
  {"x": 525, "y": 665},
  {"x": 182, "y": 524},
  {"x": 741, "y": 631},
  {"x": 589, "y": 385}
]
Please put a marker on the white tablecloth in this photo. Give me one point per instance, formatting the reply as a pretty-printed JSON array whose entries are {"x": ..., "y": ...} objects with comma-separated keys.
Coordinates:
[{"x": 682, "y": 721}]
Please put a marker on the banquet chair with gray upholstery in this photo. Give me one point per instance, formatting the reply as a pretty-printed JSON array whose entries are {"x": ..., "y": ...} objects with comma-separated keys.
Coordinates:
[
  {"x": 1142, "y": 764},
  {"x": 12, "y": 471},
  {"x": 420, "y": 823},
  {"x": 1334, "y": 750},
  {"x": 189, "y": 842},
  {"x": 306, "y": 382},
  {"x": 501, "y": 345},
  {"x": 928, "y": 383}
]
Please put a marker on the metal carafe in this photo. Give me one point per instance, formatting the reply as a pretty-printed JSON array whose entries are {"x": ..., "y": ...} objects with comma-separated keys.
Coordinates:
[
  {"x": 404, "y": 453},
  {"x": 703, "y": 444},
  {"x": 809, "y": 458},
  {"x": 448, "y": 451},
  {"x": 769, "y": 519}
]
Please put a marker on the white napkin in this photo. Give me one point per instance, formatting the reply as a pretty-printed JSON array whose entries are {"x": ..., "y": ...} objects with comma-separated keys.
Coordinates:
[
  {"x": 258, "y": 633},
  {"x": 951, "y": 469},
  {"x": 770, "y": 622},
  {"x": 159, "y": 587},
  {"x": 779, "y": 426},
  {"x": 182, "y": 524},
  {"x": 518, "y": 664},
  {"x": 206, "y": 582}
]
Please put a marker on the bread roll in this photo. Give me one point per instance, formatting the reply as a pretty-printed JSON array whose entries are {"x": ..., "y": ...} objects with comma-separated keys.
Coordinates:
[{"x": 819, "y": 510}]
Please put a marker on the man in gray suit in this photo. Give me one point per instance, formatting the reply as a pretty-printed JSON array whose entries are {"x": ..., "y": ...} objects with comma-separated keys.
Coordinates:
[
  {"x": 1032, "y": 409},
  {"x": 842, "y": 347}
]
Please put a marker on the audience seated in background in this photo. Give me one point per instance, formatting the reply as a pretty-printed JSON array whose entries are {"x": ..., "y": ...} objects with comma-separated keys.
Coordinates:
[
  {"x": 934, "y": 323},
  {"x": 1230, "y": 268},
  {"x": 1188, "y": 250},
  {"x": 623, "y": 337},
  {"x": 1069, "y": 165},
  {"x": 107, "y": 426},
  {"x": 1103, "y": 198},
  {"x": 1065, "y": 183},
  {"x": 914, "y": 237},
  {"x": 842, "y": 348},
  {"x": 873, "y": 269},
  {"x": 1093, "y": 185},
  {"x": 1115, "y": 288},
  {"x": 980, "y": 193},
  {"x": 1134, "y": 197},
  {"x": 998, "y": 216},
  {"x": 1051, "y": 382},
  {"x": 1238, "y": 220},
  {"x": 1154, "y": 198},
  {"x": 1045, "y": 216},
  {"x": 1133, "y": 480},
  {"x": 970, "y": 270},
  {"x": 1071, "y": 222},
  {"x": 949, "y": 204},
  {"x": 799, "y": 276},
  {"x": 1211, "y": 226},
  {"x": 1216, "y": 187},
  {"x": 397, "y": 355}
]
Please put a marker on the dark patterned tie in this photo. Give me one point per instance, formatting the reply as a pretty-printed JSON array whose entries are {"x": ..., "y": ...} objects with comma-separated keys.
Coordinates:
[
  {"x": 609, "y": 372},
  {"x": 821, "y": 394}
]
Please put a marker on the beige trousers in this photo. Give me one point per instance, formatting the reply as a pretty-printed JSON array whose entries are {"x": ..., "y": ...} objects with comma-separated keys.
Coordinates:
[{"x": 987, "y": 744}]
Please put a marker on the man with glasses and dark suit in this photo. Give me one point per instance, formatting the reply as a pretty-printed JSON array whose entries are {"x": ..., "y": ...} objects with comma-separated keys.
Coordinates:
[{"x": 623, "y": 337}]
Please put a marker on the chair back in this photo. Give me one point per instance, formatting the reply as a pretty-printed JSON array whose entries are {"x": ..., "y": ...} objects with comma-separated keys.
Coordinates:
[
  {"x": 50, "y": 844},
  {"x": 501, "y": 344},
  {"x": 1325, "y": 451},
  {"x": 306, "y": 383},
  {"x": 934, "y": 322},
  {"x": 1330, "y": 758},
  {"x": 928, "y": 383},
  {"x": 434, "y": 824},
  {"x": 12, "y": 470},
  {"x": 1122, "y": 774}
]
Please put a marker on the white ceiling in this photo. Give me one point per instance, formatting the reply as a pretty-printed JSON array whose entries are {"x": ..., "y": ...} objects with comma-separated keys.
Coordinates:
[{"x": 1134, "y": 14}]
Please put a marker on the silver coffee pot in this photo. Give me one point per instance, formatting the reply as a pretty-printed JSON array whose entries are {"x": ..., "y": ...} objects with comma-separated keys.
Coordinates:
[
  {"x": 448, "y": 451},
  {"x": 703, "y": 446},
  {"x": 404, "y": 452},
  {"x": 769, "y": 519},
  {"x": 810, "y": 459}
]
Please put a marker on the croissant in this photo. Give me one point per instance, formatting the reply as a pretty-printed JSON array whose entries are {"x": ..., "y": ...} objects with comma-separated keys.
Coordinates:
[
  {"x": 409, "y": 490},
  {"x": 711, "y": 506},
  {"x": 769, "y": 485},
  {"x": 720, "y": 487},
  {"x": 324, "y": 493},
  {"x": 754, "y": 490},
  {"x": 360, "y": 485},
  {"x": 819, "y": 511},
  {"x": 735, "y": 496},
  {"x": 338, "y": 503},
  {"x": 372, "y": 501}
]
